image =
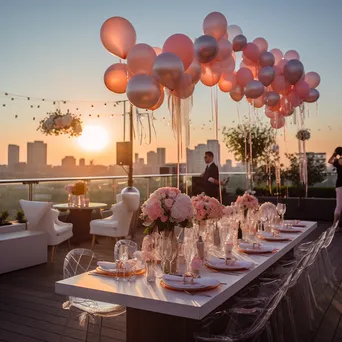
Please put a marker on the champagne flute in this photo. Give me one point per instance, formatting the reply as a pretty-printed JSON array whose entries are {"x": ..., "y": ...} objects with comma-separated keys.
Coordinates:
[{"x": 281, "y": 209}]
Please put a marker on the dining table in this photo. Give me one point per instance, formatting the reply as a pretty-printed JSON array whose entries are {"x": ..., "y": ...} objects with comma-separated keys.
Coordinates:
[
  {"x": 80, "y": 217},
  {"x": 155, "y": 313}
]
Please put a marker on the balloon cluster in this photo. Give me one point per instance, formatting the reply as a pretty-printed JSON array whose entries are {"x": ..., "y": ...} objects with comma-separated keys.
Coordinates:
[{"x": 266, "y": 78}]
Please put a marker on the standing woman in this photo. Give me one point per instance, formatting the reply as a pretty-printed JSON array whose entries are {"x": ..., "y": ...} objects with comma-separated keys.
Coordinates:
[{"x": 336, "y": 161}]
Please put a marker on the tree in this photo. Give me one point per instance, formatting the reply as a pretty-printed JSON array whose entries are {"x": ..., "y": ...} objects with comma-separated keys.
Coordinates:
[
  {"x": 316, "y": 170},
  {"x": 237, "y": 140}
]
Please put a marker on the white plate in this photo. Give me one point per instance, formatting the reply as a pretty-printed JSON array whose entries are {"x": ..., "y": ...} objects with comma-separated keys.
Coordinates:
[
  {"x": 260, "y": 250},
  {"x": 270, "y": 237},
  {"x": 287, "y": 229},
  {"x": 199, "y": 283},
  {"x": 220, "y": 264}
]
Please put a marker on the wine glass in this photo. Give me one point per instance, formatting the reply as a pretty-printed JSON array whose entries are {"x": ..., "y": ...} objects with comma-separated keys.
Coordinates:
[
  {"x": 188, "y": 253},
  {"x": 281, "y": 209}
]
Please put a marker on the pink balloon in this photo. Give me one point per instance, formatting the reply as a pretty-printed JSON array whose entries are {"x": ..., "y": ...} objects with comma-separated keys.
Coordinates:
[
  {"x": 225, "y": 50},
  {"x": 254, "y": 89},
  {"x": 278, "y": 55},
  {"x": 278, "y": 121},
  {"x": 206, "y": 49},
  {"x": 280, "y": 85},
  {"x": 140, "y": 59},
  {"x": 233, "y": 31},
  {"x": 194, "y": 71},
  {"x": 293, "y": 71},
  {"x": 277, "y": 70},
  {"x": 227, "y": 82},
  {"x": 115, "y": 78},
  {"x": 237, "y": 93},
  {"x": 313, "y": 96},
  {"x": 169, "y": 69},
  {"x": 251, "y": 51},
  {"x": 291, "y": 54},
  {"x": 281, "y": 65},
  {"x": 312, "y": 79},
  {"x": 160, "y": 101},
  {"x": 185, "y": 87},
  {"x": 269, "y": 113},
  {"x": 225, "y": 36},
  {"x": 143, "y": 91},
  {"x": 293, "y": 98},
  {"x": 157, "y": 50},
  {"x": 286, "y": 108},
  {"x": 182, "y": 46},
  {"x": 259, "y": 102},
  {"x": 225, "y": 66},
  {"x": 271, "y": 98},
  {"x": 261, "y": 43},
  {"x": 243, "y": 76},
  {"x": 266, "y": 59},
  {"x": 266, "y": 75},
  {"x": 302, "y": 89},
  {"x": 118, "y": 36},
  {"x": 209, "y": 77},
  {"x": 215, "y": 25},
  {"x": 248, "y": 62}
]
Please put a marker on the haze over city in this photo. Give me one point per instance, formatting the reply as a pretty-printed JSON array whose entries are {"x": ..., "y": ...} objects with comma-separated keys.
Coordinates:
[{"x": 55, "y": 53}]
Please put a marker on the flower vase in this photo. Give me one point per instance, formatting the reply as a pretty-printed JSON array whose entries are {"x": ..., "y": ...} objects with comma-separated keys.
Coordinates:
[
  {"x": 150, "y": 271},
  {"x": 169, "y": 251}
]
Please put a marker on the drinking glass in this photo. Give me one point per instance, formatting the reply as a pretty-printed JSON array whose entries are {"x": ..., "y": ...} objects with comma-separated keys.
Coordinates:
[
  {"x": 123, "y": 257},
  {"x": 188, "y": 254},
  {"x": 281, "y": 209}
]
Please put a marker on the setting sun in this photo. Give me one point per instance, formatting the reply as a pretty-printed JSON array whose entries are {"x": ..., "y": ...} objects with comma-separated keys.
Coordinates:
[{"x": 93, "y": 138}]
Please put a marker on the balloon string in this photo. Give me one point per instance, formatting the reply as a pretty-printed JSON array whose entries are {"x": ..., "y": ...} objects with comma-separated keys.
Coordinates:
[{"x": 216, "y": 113}]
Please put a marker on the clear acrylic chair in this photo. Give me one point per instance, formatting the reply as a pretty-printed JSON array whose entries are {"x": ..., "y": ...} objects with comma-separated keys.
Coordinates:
[
  {"x": 132, "y": 247},
  {"x": 76, "y": 262}
]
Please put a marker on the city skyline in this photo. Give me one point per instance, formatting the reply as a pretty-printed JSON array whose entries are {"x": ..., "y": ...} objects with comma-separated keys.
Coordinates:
[{"x": 70, "y": 78}]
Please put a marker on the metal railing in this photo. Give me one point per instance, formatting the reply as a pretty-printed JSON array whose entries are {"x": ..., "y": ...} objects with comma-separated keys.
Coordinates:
[{"x": 100, "y": 188}]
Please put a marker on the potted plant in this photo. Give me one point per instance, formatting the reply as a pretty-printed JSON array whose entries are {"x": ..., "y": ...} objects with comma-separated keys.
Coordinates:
[
  {"x": 20, "y": 217},
  {"x": 4, "y": 218}
]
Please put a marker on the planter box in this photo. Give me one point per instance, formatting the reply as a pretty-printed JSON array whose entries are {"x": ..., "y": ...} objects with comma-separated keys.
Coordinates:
[
  {"x": 14, "y": 227},
  {"x": 311, "y": 209}
]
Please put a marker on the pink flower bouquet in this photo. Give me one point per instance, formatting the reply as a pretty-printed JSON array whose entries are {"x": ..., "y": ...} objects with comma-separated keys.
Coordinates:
[
  {"x": 206, "y": 208},
  {"x": 247, "y": 202},
  {"x": 166, "y": 208}
]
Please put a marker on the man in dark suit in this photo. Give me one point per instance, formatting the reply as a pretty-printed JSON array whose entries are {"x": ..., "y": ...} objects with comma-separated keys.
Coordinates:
[{"x": 211, "y": 183}]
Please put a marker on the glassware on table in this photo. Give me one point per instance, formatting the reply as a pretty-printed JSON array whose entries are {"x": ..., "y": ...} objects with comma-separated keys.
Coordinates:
[
  {"x": 281, "y": 210},
  {"x": 189, "y": 252},
  {"x": 150, "y": 271},
  {"x": 123, "y": 258}
]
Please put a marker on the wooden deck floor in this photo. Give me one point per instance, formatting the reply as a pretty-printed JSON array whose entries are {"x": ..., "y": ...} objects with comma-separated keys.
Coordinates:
[{"x": 31, "y": 311}]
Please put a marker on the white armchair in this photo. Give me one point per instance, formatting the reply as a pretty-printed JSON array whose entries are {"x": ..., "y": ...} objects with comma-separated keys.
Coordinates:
[
  {"x": 42, "y": 217},
  {"x": 117, "y": 225}
]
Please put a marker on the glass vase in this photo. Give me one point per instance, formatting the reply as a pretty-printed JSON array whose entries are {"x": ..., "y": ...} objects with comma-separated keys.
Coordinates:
[
  {"x": 150, "y": 271},
  {"x": 168, "y": 251},
  {"x": 69, "y": 200}
]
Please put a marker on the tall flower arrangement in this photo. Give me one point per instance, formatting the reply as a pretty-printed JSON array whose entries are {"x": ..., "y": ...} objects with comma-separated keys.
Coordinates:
[
  {"x": 206, "y": 208},
  {"x": 57, "y": 123},
  {"x": 166, "y": 208},
  {"x": 247, "y": 202}
]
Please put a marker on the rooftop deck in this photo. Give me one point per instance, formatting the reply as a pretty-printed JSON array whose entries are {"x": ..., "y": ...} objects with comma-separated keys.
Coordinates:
[{"x": 31, "y": 311}]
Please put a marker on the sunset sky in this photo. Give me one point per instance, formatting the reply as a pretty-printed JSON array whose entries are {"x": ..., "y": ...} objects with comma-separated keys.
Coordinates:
[{"x": 52, "y": 50}]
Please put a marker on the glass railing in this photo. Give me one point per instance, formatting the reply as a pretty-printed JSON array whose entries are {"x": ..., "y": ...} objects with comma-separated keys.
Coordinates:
[{"x": 100, "y": 189}]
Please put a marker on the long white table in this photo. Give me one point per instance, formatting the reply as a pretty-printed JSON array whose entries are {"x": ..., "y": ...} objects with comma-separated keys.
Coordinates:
[{"x": 158, "y": 314}]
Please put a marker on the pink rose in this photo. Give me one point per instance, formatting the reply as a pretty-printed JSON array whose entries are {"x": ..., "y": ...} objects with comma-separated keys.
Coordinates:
[
  {"x": 164, "y": 218},
  {"x": 168, "y": 203}
]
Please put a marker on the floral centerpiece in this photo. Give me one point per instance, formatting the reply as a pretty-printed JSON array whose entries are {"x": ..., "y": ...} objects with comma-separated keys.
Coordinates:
[
  {"x": 303, "y": 134},
  {"x": 57, "y": 123},
  {"x": 228, "y": 211},
  {"x": 76, "y": 193},
  {"x": 247, "y": 202},
  {"x": 166, "y": 208},
  {"x": 206, "y": 208}
]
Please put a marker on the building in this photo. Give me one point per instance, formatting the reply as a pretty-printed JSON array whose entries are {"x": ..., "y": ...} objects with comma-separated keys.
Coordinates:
[
  {"x": 69, "y": 161},
  {"x": 152, "y": 161},
  {"x": 161, "y": 156},
  {"x": 317, "y": 156},
  {"x": 13, "y": 155},
  {"x": 228, "y": 166},
  {"x": 81, "y": 162},
  {"x": 36, "y": 154}
]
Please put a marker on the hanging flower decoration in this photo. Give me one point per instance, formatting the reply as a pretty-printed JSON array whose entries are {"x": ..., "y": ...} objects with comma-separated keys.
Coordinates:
[
  {"x": 303, "y": 134},
  {"x": 57, "y": 123}
]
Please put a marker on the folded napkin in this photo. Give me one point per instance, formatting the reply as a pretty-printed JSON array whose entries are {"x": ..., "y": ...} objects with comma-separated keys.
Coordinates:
[
  {"x": 245, "y": 245},
  {"x": 106, "y": 265},
  {"x": 170, "y": 277},
  {"x": 197, "y": 282},
  {"x": 213, "y": 260}
]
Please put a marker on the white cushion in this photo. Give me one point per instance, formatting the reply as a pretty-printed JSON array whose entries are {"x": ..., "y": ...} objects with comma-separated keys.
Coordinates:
[{"x": 63, "y": 229}]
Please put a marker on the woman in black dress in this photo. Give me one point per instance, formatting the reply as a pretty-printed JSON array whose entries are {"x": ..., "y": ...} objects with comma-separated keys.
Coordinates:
[{"x": 336, "y": 160}]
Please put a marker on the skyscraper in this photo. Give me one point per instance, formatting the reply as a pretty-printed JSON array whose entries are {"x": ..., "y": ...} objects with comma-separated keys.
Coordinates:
[
  {"x": 81, "y": 162},
  {"x": 69, "y": 161},
  {"x": 13, "y": 155},
  {"x": 36, "y": 154},
  {"x": 161, "y": 159}
]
